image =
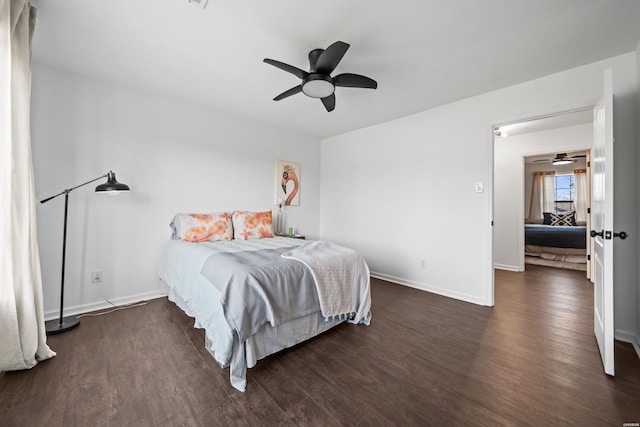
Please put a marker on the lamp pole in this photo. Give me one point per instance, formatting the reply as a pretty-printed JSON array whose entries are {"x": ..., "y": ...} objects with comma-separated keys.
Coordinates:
[
  {"x": 72, "y": 321},
  {"x": 64, "y": 324}
]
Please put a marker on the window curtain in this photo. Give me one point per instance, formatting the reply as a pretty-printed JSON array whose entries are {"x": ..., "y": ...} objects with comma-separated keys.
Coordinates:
[
  {"x": 23, "y": 340},
  {"x": 581, "y": 194},
  {"x": 543, "y": 194}
]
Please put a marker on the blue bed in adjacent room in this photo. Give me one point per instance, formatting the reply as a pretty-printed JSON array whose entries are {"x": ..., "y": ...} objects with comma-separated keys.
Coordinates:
[
  {"x": 556, "y": 246},
  {"x": 556, "y": 236}
]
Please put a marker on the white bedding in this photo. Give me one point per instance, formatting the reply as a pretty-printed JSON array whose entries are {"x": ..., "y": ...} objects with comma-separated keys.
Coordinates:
[{"x": 180, "y": 266}]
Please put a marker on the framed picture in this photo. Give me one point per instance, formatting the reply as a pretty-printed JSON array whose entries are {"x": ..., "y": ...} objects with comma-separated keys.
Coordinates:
[{"x": 287, "y": 183}]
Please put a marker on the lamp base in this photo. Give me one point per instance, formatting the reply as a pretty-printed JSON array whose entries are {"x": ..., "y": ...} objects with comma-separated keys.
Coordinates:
[{"x": 54, "y": 327}]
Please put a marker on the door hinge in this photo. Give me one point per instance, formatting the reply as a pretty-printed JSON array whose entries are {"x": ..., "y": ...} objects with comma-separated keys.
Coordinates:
[
  {"x": 588, "y": 257},
  {"x": 588, "y": 210}
]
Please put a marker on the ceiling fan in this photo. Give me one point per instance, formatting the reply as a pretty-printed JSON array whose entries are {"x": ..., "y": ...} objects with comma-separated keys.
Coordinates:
[
  {"x": 561, "y": 159},
  {"x": 318, "y": 83}
]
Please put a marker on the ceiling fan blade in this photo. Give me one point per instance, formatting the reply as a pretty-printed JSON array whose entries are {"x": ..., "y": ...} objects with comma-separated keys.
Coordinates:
[
  {"x": 329, "y": 102},
  {"x": 301, "y": 74},
  {"x": 331, "y": 57},
  {"x": 354, "y": 80},
  {"x": 288, "y": 93}
]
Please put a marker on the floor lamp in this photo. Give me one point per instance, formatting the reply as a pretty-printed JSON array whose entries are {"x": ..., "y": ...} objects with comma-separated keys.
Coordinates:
[{"x": 63, "y": 324}]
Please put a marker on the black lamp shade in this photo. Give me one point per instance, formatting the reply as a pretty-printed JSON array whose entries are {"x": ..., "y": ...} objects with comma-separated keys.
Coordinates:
[{"x": 112, "y": 184}]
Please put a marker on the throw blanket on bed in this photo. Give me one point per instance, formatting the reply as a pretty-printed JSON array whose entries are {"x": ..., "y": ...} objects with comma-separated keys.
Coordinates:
[
  {"x": 341, "y": 276},
  {"x": 259, "y": 287}
]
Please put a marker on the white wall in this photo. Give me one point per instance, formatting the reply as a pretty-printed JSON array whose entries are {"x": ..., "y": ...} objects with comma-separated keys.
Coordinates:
[
  {"x": 637, "y": 331},
  {"x": 175, "y": 156},
  {"x": 392, "y": 191},
  {"x": 511, "y": 192}
]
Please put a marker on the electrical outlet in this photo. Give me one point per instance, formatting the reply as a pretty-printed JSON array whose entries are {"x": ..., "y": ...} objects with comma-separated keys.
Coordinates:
[{"x": 96, "y": 277}]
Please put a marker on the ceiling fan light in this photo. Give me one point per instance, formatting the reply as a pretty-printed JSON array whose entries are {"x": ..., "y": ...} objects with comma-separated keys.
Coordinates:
[
  {"x": 318, "y": 88},
  {"x": 318, "y": 85},
  {"x": 561, "y": 159}
]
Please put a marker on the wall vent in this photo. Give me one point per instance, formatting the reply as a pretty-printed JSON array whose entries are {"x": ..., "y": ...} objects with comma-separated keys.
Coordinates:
[{"x": 200, "y": 3}]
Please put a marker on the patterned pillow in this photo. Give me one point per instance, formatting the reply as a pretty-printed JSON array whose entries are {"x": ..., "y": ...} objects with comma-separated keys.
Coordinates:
[
  {"x": 202, "y": 227},
  {"x": 562, "y": 219},
  {"x": 252, "y": 225}
]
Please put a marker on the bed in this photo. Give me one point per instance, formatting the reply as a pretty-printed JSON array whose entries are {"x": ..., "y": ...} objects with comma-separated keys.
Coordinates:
[
  {"x": 202, "y": 277},
  {"x": 556, "y": 246}
]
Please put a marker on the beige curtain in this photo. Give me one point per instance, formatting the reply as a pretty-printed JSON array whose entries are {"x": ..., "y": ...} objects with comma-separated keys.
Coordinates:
[
  {"x": 543, "y": 195},
  {"x": 23, "y": 340},
  {"x": 581, "y": 194}
]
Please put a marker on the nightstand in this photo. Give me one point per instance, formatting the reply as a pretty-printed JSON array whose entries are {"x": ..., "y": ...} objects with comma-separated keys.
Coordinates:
[{"x": 295, "y": 236}]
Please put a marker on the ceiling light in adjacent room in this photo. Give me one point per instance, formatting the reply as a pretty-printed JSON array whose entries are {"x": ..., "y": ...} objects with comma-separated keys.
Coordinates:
[
  {"x": 500, "y": 132},
  {"x": 561, "y": 159}
]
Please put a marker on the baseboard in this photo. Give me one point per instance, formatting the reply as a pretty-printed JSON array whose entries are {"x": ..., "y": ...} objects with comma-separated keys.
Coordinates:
[
  {"x": 507, "y": 267},
  {"x": 425, "y": 287},
  {"x": 101, "y": 305},
  {"x": 630, "y": 338}
]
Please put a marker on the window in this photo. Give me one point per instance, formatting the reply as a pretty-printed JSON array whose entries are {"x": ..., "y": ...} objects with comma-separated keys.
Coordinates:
[{"x": 564, "y": 190}]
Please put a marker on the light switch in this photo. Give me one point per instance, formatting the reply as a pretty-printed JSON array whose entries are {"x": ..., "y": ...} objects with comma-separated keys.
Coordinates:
[{"x": 479, "y": 187}]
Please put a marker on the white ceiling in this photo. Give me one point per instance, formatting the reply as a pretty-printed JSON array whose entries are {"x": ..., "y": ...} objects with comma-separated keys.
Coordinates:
[{"x": 423, "y": 53}]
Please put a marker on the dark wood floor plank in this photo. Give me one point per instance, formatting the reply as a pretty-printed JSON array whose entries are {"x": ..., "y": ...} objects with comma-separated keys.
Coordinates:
[
  {"x": 332, "y": 399},
  {"x": 425, "y": 360}
]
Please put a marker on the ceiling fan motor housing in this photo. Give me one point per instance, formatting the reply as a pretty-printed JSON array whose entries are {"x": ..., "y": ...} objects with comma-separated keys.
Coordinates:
[{"x": 313, "y": 59}]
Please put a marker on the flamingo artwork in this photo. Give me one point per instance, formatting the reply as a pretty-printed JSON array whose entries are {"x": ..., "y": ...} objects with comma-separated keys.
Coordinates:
[{"x": 289, "y": 174}]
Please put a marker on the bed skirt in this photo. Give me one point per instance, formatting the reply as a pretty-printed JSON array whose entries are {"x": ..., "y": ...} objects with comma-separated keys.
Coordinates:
[
  {"x": 569, "y": 258},
  {"x": 535, "y": 260}
]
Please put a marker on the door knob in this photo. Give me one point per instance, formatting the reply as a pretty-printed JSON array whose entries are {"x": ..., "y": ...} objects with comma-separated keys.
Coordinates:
[
  {"x": 595, "y": 233},
  {"x": 623, "y": 235}
]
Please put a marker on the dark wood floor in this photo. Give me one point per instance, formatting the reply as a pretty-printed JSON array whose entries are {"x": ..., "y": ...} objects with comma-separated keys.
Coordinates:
[{"x": 425, "y": 360}]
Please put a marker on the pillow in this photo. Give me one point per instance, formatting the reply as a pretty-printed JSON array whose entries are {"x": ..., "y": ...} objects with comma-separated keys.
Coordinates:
[
  {"x": 252, "y": 225},
  {"x": 202, "y": 227},
  {"x": 560, "y": 219}
]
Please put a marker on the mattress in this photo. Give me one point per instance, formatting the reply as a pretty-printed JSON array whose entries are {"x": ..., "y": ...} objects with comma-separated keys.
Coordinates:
[{"x": 180, "y": 269}]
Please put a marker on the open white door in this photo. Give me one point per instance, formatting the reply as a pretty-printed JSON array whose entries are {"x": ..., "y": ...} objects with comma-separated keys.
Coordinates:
[{"x": 602, "y": 224}]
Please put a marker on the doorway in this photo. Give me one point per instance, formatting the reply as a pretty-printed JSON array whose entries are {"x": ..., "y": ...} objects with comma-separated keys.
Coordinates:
[{"x": 521, "y": 147}]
